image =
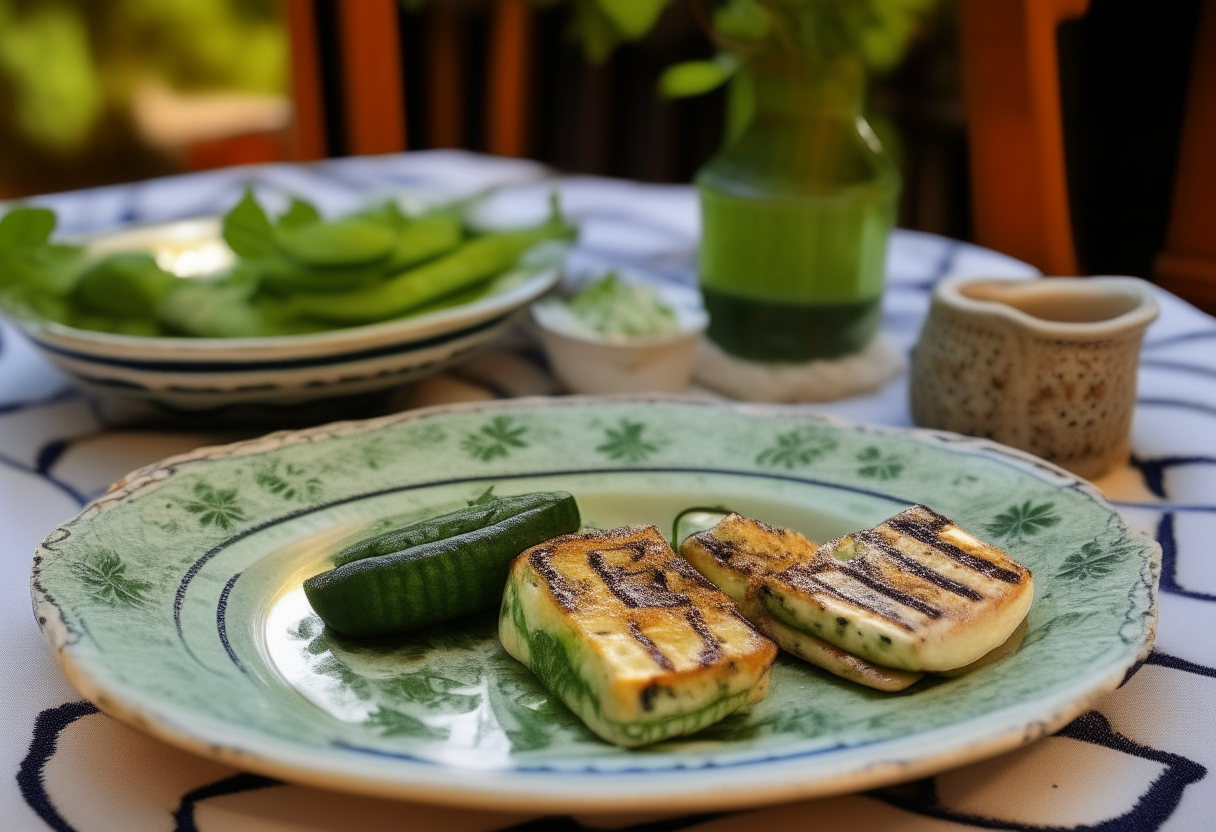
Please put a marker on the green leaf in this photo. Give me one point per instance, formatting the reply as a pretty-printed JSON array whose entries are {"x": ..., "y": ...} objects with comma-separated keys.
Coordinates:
[
  {"x": 741, "y": 20},
  {"x": 740, "y": 105},
  {"x": 300, "y": 213},
  {"x": 26, "y": 227},
  {"x": 127, "y": 284},
  {"x": 632, "y": 18},
  {"x": 247, "y": 230},
  {"x": 597, "y": 32},
  {"x": 52, "y": 269},
  {"x": 697, "y": 77}
]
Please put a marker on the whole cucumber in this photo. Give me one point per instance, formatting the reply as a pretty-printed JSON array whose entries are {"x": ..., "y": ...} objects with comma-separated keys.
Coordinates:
[
  {"x": 446, "y": 567},
  {"x": 448, "y": 525}
]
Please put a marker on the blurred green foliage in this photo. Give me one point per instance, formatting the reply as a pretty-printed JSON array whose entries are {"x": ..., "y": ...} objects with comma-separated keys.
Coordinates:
[
  {"x": 46, "y": 56},
  {"x": 876, "y": 31},
  {"x": 602, "y": 25},
  {"x": 65, "y": 63}
]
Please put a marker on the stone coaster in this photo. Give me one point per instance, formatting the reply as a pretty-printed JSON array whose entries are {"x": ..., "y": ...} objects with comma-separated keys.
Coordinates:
[{"x": 815, "y": 381}]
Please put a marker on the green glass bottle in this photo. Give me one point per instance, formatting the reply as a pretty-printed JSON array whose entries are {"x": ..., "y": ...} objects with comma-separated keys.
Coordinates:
[{"x": 795, "y": 216}]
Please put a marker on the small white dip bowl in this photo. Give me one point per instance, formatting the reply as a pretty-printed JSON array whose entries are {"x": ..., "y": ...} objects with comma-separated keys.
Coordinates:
[{"x": 586, "y": 361}]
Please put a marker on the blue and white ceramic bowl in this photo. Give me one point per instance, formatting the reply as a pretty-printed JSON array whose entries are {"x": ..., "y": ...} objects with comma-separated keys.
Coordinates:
[{"x": 196, "y": 374}]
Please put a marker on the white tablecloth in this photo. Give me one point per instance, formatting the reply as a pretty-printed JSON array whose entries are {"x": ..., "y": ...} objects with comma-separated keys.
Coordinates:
[{"x": 1139, "y": 761}]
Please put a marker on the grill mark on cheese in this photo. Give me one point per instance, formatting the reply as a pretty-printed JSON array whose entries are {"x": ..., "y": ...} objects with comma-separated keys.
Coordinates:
[
  {"x": 561, "y": 590},
  {"x": 724, "y": 552},
  {"x": 907, "y": 564},
  {"x": 636, "y": 548},
  {"x": 936, "y": 522},
  {"x": 650, "y": 647},
  {"x": 712, "y": 649},
  {"x": 891, "y": 592},
  {"x": 689, "y": 573},
  {"x": 806, "y": 581},
  {"x": 927, "y": 534},
  {"x": 645, "y": 588}
]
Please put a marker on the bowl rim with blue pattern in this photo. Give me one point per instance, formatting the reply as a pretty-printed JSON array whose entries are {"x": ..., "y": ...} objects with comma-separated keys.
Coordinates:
[{"x": 174, "y": 603}]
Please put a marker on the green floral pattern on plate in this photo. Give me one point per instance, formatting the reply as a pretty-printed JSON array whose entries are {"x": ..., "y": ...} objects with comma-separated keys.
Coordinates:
[
  {"x": 201, "y": 632},
  {"x": 797, "y": 447},
  {"x": 1021, "y": 522},
  {"x": 105, "y": 576},
  {"x": 215, "y": 506},
  {"x": 494, "y": 439},
  {"x": 876, "y": 465},
  {"x": 627, "y": 442}
]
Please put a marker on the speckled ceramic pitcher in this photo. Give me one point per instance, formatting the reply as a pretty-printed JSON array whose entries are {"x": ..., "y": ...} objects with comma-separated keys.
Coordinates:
[{"x": 1048, "y": 365}]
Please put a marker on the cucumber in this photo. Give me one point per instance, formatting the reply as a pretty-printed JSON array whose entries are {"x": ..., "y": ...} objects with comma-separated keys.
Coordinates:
[
  {"x": 449, "y": 525},
  {"x": 442, "y": 568}
]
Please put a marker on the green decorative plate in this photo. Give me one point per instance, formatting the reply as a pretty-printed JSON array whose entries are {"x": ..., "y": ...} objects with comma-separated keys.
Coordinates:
[{"x": 175, "y": 603}]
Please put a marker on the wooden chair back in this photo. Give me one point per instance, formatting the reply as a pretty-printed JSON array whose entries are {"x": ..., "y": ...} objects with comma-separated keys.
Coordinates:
[
  {"x": 1020, "y": 199},
  {"x": 370, "y": 77}
]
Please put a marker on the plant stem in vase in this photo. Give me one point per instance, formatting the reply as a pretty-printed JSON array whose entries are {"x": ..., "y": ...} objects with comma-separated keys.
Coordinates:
[{"x": 796, "y": 214}]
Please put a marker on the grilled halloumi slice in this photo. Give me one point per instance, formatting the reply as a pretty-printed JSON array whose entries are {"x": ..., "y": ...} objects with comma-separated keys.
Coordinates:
[
  {"x": 916, "y": 593},
  {"x": 630, "y": 637},
  {"x": 737, "y": 553}
]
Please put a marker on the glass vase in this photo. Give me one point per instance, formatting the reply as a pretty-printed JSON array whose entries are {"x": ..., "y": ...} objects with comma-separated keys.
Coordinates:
[{"x": 795, "y": 216}]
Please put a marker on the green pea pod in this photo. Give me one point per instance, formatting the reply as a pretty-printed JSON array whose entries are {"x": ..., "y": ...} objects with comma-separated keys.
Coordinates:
[
  {"x": 423, "y": 239},
  {"x": 349, "y": 242},
  {"x": 476, "y": 261},
  {"x": 281, "y": 275},
  {"x": 439, "y": 579},
  {"x": 209, "y": 310}
]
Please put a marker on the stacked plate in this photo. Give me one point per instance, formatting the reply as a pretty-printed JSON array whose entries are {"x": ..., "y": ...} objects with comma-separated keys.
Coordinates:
[{"x": 206, "y": 373}]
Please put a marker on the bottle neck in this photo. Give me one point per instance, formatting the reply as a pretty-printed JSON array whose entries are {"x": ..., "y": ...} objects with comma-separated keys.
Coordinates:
[
  {"x": 800, "y": 87},
  {"x": 806, "y": 134}
]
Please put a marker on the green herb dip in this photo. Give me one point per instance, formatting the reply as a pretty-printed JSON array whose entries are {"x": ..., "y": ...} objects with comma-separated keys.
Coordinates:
[{"x": 610, "y": 306}]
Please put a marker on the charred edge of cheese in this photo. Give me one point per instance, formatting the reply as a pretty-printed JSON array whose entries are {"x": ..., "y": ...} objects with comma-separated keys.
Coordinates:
[
  {"x": 632, "y": 639},
  {"x": 831, "y": 658},
  {"x": 724, "y": 560},
  {"x": 915, "y": 593},
  {"x": 750, "y": 549}
]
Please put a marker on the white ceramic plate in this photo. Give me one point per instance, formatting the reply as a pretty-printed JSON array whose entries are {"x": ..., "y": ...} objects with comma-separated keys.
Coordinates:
[{"x": 175, "y": 603}]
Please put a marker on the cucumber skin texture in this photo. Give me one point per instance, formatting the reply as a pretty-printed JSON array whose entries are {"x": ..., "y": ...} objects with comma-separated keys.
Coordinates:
[
  {"x": 448, "y": 525},
  {"x": 438, "y": 580}
]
